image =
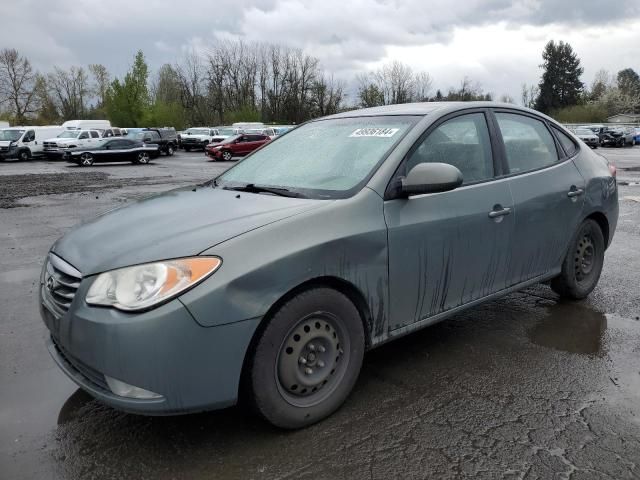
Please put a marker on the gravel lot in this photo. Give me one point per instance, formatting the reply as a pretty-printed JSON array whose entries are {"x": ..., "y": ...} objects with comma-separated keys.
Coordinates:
[{"x": 524, "y": 387}]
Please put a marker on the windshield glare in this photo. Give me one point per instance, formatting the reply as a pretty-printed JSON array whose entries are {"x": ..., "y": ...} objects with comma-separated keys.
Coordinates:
[
  {"x": 583, "y": 131},
  {"x": 10, "y": 135},
  {"x": 69, "y": 134},
  {"x": 323, "y": 159},
  {"x": 197, "y": 131},
  {"x": 226, "y": 131}
]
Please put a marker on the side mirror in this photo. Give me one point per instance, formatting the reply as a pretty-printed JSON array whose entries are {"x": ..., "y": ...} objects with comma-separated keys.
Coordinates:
[{"x": 430, "y": 178}]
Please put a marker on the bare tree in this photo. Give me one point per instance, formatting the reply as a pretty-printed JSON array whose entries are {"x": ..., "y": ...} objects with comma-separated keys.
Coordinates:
[
  {"x": 17, "y": 84},
  {"x": 101, "y": 80},
  {"x": 506, "y": 98},
  {"x": 393, "y": 83},
  {"x": 70, "y": 91},
  {"x": 529, "y": 94}
]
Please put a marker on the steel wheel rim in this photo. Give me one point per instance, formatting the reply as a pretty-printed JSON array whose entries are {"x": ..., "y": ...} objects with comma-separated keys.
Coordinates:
[
  {"x": 312, "y": 360},
  {"x": 585, "y": 258},
  {"x": 143, "y": 157}
]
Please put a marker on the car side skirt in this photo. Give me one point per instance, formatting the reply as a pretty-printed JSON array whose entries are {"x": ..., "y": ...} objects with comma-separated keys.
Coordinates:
[{"x": 425, "y": 322}]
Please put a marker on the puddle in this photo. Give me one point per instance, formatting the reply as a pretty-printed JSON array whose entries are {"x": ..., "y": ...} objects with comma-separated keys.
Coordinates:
[{"x": 571, "y": 328}]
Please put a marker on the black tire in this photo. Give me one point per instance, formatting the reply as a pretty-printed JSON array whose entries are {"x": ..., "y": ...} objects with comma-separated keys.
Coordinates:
[
  {"x": 323, "y": 327},
  {"x": 582, "y": 266},
  {"x": 24, "y": 155},
  {"x": 187, "y": 149},
  {"x": 170, "y": 150},
  {"x": 227, "y": 155},
  {"x": 86, "y": 160}
]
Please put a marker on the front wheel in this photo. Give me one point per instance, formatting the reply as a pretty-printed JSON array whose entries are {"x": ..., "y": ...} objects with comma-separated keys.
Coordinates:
[
  {"x": 170, "y": 151},
  {"x": 86, "y": 160},
  {"x": 307, "y": 359},
  {"x": 24, "y": 155},
  {"x": 227, "y": 156},
  {"x": 582, "y": 266}
]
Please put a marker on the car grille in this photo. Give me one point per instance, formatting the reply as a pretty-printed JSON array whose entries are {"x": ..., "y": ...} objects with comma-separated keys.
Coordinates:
[
  {"x": 90, "y": 374},
  {"x": 50, "y": 145},
  {"x": 60, "y": 283},
  {"x": 4, "y": 149},
  {"x": 190, "y": 140}
]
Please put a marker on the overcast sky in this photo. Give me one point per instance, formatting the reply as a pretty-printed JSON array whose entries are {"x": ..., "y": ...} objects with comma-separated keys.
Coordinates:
[{"x": 495, "y": 42}]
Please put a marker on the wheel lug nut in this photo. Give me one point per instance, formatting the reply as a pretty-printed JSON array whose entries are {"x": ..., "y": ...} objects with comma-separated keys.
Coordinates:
[
  {"x": 302, "y": 360},
  {"x": 308, "y": 371},
  {"x": 321, "y": 349},
  {"x": 320, "y": 363},
  {"x": 312, "y": 347}
]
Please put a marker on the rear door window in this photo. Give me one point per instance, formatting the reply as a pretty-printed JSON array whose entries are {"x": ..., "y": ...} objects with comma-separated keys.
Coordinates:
[
  {"x": 527, "y": 141},
  {"x": 95, "y": 135},
  {"x": 462, "y": 142}
]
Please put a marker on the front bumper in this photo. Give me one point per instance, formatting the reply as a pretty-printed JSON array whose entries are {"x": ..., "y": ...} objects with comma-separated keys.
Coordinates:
[
  {"x": 10, "y": 152},
  {"x": 163, "y": 350}
]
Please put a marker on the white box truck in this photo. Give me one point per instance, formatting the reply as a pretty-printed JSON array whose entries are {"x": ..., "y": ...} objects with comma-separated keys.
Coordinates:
[
  {"x": 25, "y": 142},
  {"x": 86, "y": 124}
]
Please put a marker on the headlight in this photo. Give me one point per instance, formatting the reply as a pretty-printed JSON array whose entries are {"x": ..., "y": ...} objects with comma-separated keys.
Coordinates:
[
  {"x": 218, "y": 147},
  {"x": 143, "y": 286}
]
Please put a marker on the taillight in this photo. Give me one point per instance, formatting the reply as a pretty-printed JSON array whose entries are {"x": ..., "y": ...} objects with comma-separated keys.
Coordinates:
[{"x": 612, "y": 169}]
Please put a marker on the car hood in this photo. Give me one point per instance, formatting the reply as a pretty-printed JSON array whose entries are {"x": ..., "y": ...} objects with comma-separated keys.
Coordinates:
[
  {"x": 178, "y": 223},
  {"x": 5, "y": 143}
]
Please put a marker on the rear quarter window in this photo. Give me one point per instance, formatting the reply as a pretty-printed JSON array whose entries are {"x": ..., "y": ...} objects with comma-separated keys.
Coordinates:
[{"x": 568, "y": 145}]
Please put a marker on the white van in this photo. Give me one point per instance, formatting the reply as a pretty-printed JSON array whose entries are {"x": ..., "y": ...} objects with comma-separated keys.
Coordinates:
[
  {"x": 55, "y": 147},
  {"x": 25, "y": 142},
  {"x": 86, "y": 124}
]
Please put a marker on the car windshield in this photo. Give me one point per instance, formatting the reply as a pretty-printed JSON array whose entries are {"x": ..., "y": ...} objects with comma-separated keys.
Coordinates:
[
  {"x": 322, "y": 159},
  {"x": 70, "y": 134},
  {"x": 227, "y": 132},
  {"x": 230, "y": 139},
  {"x": 197, "y": 131},
  {"x": 10, "y": 135}
]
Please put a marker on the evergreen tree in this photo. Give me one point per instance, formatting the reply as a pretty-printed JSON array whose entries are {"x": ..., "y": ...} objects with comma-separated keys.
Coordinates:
[{"x": 560, "y": 85}]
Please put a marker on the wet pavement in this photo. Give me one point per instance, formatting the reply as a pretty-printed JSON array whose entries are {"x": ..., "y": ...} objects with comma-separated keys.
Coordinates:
[{"x": 524, "y": 387}]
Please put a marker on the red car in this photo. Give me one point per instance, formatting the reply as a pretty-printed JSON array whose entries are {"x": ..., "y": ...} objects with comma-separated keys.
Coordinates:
[{"x": 236, "y": 146}]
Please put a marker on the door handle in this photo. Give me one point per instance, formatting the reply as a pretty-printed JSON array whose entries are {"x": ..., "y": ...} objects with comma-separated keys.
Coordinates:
[
  {"x": 499, "y": 212},
  {"x": 575, "y": 192}
]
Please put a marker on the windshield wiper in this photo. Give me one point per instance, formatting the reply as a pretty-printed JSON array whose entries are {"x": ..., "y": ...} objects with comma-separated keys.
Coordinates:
[{"x": 253, "y": 188}]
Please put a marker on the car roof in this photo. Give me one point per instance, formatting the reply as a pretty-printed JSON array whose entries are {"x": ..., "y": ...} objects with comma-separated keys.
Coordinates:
[{"x": 425, "y": 108}]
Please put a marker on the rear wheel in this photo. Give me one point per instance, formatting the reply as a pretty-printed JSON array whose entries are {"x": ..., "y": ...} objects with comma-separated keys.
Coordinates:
[
  {"x": 307, "y": 359},
  {"x": 582, "y": 266},
  {"x": 86, "y": 160},
  {"x": 170, "y": 150}
]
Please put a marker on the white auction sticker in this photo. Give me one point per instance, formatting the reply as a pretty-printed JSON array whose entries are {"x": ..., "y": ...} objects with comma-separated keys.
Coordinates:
[{"x": 375, "y": 132}]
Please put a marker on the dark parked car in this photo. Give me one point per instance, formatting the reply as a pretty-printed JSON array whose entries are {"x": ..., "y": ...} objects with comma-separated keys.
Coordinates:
[
  {"x": 617, "y": 137},
  {"x": 236, "y": 146},
  {"x": 345, "y": 233},
  {"x": 166, "y": 138},
  {"x": 116, "y": 150}
]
